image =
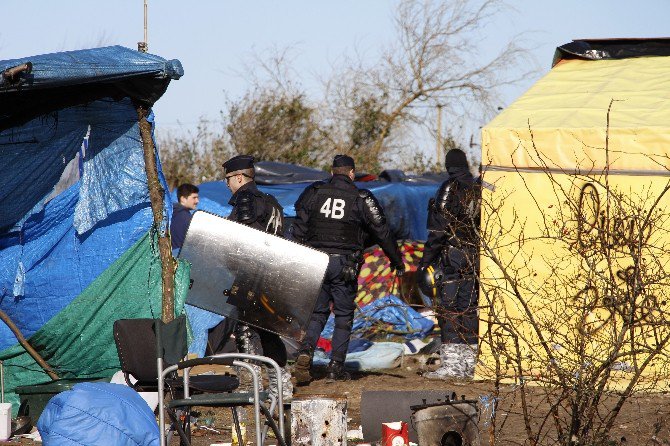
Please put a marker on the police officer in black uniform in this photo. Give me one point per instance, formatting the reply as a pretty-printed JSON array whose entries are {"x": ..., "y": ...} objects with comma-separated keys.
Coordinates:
[
  {"x": 452, "y": 246},
  {"x": 335, "y": 217},
  {"x": 251, "y": 206},
  {"x": 261, "y": 211}
]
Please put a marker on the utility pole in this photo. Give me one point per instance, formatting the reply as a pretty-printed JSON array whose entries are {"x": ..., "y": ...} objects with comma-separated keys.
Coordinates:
[
  {"x": 439, "y": 135},
  {"x": 143, "y": 47}
]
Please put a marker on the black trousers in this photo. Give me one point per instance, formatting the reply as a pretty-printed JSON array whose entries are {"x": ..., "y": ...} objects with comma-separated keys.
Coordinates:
[
  {"x": 342, "y": 295},
  {"x": 459, "y": 294},
  {"x": 248, "y": 340}
]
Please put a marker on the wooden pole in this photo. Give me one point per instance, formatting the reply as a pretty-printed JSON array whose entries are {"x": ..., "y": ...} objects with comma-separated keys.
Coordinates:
[
  {"x": 156, "y": 193},
  {"x": 29, "y": 348}
]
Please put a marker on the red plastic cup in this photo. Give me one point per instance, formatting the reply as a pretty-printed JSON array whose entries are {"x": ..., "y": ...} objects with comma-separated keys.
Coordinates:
[{"x": 395, "y": 434}]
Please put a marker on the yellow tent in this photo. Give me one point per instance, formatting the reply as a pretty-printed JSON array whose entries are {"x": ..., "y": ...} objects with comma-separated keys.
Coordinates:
[{"x": 577, "y": 162}]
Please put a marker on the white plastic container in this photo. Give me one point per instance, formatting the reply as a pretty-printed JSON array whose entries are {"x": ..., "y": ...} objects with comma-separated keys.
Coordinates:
[{"x": 5, "y": 421}]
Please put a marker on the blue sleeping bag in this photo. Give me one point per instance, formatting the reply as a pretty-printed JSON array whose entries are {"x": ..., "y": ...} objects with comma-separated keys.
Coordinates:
[{"x": 98, "y": 414}]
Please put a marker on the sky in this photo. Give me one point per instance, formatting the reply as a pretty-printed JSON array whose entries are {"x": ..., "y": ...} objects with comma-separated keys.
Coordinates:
[{"x": 216, "y": 39}]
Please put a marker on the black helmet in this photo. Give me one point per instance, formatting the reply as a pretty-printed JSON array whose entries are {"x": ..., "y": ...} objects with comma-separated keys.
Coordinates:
[{"x": 428, "y": 280}]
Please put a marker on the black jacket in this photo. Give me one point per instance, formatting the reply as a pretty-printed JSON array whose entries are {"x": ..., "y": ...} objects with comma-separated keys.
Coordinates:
[
  {"x": 181, "y": 218},
  {"x": 453, "y": 215},
  {"x": 257, "y": 209},
  {"x": 335, "y": 216}
]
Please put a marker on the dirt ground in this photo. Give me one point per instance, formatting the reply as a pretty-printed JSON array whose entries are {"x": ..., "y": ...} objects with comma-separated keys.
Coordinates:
[{"x": 645, "y": 420}]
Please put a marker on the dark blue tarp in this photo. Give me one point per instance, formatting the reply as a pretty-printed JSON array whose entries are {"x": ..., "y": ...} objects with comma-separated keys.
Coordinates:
[
  {"x": 405, "y": 204},
  {"x": 36, "y": 150},
  {"x": 61, "y": 80},
  {"x": 73, "y": 194},
  {"x": 388, "y": 310},
  {"x": 90, "y": 66}
]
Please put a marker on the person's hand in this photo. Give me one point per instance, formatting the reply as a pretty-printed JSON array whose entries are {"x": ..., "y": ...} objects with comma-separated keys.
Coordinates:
[{"x": 399, "y": 269}]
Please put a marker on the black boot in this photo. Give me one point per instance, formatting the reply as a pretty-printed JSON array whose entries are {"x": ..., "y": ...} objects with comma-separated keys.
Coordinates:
[
  {"x": 303, "y": 363},
  {"x": 336, "y": 372}
]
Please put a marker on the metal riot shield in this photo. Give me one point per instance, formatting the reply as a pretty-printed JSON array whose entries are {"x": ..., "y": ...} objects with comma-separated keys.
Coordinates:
[{"x": 257, "y": 278}]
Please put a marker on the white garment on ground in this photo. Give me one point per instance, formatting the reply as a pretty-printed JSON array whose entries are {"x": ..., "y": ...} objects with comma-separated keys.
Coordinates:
[{"x": 150, "y": 397}]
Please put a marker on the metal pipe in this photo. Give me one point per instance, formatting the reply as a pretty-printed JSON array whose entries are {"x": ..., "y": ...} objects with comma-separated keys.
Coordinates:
[
  {"x": 277, "y": 371},
  {"x": 257, "y": 403},
  {"x": 440, "y": 158},
  {"x": 161, "y": 401},
  {"x": 146, "y": 28},
  {"x": 187, "y": 382}
]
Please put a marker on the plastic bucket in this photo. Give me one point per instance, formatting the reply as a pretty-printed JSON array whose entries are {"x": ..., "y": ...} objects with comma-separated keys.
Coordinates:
[
  {"x": 395, "y": 434},
  {"x": 5, "y": 421}
]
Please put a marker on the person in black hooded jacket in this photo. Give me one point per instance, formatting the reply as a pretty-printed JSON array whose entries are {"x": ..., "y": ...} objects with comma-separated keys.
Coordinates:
[{"x": 453, "y": 225}]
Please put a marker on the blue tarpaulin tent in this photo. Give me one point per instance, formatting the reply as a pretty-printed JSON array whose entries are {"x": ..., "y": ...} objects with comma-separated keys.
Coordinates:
[{"x": 73, "y": 194}]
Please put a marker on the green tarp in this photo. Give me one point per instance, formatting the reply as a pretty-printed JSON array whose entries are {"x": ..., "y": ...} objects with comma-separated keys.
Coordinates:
[{"x": 78, "y": 342}]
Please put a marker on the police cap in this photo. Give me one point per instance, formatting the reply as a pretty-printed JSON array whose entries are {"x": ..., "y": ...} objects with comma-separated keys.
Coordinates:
[
  {"x": 343, "y": 161},
  {"x": 238, "y": 162}
]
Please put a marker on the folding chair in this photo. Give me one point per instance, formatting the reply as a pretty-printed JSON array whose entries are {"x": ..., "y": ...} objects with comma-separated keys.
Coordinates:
[{"x": 138, "y": 340}]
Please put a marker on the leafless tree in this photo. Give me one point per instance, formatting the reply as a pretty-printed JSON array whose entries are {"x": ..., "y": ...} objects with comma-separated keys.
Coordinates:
[
  {"x": 435, "y": 60},
  {"x": 195, "y": 157},
  {"x": 575, "y": 299},
  {"x": 376, "y": 108},
  {"x": 276, "y": 126}
]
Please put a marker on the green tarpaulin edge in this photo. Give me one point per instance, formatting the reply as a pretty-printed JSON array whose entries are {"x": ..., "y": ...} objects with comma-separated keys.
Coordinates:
[{"x": 78, "y": 342}]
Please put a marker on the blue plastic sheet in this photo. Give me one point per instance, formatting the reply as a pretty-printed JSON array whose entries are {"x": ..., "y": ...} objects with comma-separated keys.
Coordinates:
[
  {"x": 200, "y": 322},
  {"x": 388, "y": 310},
  {"x": 33, "y": 157},
  {"x": 54, "y": 264},
  {"x": 379, "y": 356},
  {"x": 112, "y": 166},
  {"x": 113, "y": 175},
  {"x": 73, "y": 196},
  {"x": 43, "y": 139},
  {"x": 107, "y": 64},
  {"x": 405, "y": 204}
]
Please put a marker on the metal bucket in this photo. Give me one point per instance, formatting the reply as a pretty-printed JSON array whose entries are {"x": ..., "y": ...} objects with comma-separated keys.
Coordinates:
[{"x": 451, "y": 423}]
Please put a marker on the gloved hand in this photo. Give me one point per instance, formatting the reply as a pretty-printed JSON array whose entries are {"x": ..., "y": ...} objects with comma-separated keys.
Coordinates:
[
  {"x": 399, "y": 269},
  {"x": 351, "y": 267},
  {"x": 350, "y": 273}
]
